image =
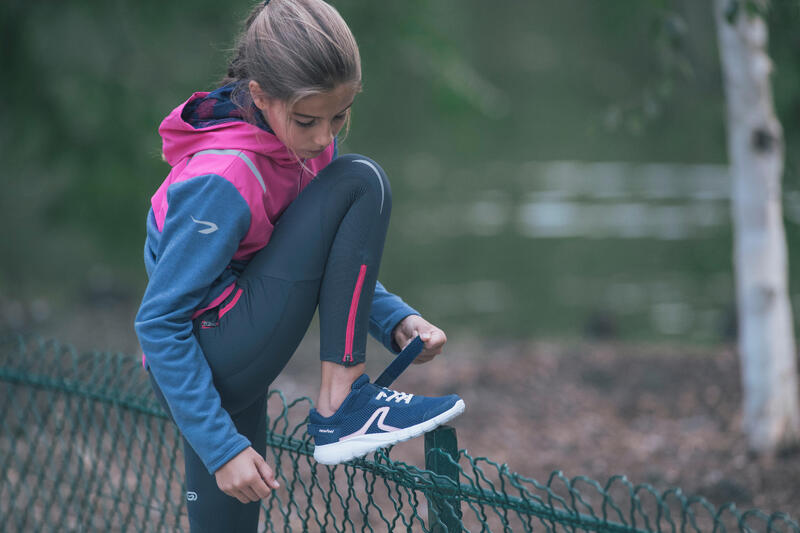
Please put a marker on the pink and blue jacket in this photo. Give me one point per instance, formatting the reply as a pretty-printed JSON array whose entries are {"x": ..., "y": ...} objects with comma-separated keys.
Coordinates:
[{"x": 234, "y": 179}]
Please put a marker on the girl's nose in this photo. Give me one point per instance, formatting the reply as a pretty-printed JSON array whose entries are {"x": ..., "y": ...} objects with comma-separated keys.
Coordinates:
[{"x": 324, "y": 137}]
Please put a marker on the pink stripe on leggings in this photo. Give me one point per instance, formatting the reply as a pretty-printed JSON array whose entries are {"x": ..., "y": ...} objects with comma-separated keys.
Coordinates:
[{"x": 351, "y": 318}]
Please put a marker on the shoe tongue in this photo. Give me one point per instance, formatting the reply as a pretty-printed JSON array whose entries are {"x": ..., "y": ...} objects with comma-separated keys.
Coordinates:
[{"x": 360, "y": 382}]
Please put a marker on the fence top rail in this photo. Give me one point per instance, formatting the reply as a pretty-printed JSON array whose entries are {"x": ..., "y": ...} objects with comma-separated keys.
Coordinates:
[{"x": 574, "y": 503}]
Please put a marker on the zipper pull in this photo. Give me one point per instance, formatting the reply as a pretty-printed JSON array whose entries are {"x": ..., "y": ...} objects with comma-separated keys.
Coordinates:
[{"x": 300, "y": 181}]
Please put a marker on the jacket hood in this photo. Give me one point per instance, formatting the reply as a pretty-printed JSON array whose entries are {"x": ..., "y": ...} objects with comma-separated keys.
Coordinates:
[{"x": 212, "y": 121}]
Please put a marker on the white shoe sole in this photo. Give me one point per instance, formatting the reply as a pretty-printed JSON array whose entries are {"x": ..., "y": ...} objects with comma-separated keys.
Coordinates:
[{"x": 340, "y": 452}]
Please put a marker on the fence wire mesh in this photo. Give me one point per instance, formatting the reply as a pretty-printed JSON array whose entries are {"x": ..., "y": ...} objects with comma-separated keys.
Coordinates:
[{"x": 84, "y": 446}]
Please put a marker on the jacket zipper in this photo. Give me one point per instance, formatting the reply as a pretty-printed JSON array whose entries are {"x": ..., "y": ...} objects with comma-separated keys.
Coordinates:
[{"x": 300, "y": 181}]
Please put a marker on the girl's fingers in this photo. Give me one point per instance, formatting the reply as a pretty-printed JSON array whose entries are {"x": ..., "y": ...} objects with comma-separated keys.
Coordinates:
[
  {"x": 434, "y": 339},
  {"x": 259, "y": 489},
  {"x": 415, "y": 326},
  {"x": 255, "y": 491},
  {"x": 247, "y": 477},
  {"x": 249, "y": 494},
  {"x": 266, "y": 474},
  {"x": 239, "y": 495}
]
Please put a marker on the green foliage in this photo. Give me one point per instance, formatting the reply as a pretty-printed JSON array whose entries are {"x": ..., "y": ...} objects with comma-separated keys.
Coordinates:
[
  {"x": 669, "y": 34},
  {"x": 752, "y": 8},
  {"x": 92, "y": 81},
  {"x": 458, "y": 97},
  {"x": 783, "y": 19}
]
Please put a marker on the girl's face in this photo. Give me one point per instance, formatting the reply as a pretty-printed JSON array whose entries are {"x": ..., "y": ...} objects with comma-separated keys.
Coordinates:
[{"x": 309, "y": 127}]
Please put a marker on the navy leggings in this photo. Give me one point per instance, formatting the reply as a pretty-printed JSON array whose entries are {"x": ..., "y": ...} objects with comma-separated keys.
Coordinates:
[{"x": 325, "y": 251}]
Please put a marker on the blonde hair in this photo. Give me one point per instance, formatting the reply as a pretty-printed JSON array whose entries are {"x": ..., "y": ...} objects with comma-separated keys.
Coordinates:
[{"x": 293, "y": 49}]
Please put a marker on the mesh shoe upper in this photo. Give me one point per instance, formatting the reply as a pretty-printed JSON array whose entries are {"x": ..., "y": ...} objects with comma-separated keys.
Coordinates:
[{"x": 372, "y": 409}]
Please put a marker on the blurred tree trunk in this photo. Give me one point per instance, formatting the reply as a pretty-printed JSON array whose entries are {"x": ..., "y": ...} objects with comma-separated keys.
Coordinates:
[{"x": 756, "y": 152}]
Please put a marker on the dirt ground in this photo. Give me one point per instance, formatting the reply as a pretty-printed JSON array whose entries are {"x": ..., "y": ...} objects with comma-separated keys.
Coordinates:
[
  {"x": 669, "y": 416},
  {"x": 666, "y": 416}
]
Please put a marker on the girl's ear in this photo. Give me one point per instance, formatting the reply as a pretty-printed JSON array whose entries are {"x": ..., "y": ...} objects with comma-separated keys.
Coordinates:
[{"x": 260, "y": 98}]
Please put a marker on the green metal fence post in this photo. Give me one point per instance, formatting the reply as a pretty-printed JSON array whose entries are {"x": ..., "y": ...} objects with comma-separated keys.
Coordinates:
[{"x": 444, "y": 515}]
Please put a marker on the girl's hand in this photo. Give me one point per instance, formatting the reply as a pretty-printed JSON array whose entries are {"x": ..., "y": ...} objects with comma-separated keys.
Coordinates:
[
  {"x": 246, "y": 477},
  {"x": 414, "y": 325}
]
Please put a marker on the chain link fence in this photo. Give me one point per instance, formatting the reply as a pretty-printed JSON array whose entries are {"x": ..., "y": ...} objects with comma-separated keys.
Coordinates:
[{"x": 84, "y": 446}]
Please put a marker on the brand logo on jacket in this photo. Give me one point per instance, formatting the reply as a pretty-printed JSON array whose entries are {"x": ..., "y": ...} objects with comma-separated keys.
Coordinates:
[{"x": 211, "y": 227}]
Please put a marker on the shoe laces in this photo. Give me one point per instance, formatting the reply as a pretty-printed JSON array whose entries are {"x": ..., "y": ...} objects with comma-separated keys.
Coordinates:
[{"x": 389, "y": 395}]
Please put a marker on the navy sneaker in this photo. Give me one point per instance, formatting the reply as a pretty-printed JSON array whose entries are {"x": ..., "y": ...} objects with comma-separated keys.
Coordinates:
[{"x": 373, "y": 417}]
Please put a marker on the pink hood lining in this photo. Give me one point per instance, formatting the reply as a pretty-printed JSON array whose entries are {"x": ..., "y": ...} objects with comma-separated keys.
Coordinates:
[
  {"x": 181, "y": 139},
  {"x": 257, "y": 155}
]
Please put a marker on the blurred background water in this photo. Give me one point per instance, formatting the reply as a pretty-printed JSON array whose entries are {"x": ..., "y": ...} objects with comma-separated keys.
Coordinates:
[{"x": 558, "y": 168}]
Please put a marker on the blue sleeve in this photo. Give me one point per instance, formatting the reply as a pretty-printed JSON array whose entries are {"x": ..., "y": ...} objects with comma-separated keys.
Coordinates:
[
  {"x": 387, "y": 311},
  {"x": 207, "y": 218}
]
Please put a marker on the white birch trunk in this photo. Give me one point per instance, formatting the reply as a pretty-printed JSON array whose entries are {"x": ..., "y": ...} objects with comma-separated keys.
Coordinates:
[{"x": 756, "y": 152}]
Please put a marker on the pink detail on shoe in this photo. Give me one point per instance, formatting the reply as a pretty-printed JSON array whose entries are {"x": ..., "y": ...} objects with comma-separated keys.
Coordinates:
[
  {"x": 351, "y": 318},
  {"x": 230, "y": 304},
  {"x": 380, "y": 414}
]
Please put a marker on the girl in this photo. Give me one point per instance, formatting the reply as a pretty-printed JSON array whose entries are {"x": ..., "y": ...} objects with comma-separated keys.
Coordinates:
[{"x": 258, "y": 224}]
